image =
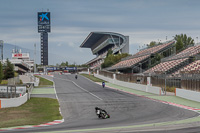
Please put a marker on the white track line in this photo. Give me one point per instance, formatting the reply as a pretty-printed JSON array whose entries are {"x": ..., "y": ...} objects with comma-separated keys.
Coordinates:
[
  {"x": 81, "y": 88},
  {"x": 55, "y": 93},
  {"x": 57, "y": 98}
]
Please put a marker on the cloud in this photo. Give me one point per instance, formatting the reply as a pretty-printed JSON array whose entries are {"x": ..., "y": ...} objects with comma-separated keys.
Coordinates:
[
  {"x": 59, "y": 44},
  {"x": 71, "y": 44}
]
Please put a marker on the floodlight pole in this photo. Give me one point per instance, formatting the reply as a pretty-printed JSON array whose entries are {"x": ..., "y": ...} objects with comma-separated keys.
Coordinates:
[
  {"x": 35, "y": 59},
  {"x": 1, "y": 46},
  {"x": 165, "y": 83}
]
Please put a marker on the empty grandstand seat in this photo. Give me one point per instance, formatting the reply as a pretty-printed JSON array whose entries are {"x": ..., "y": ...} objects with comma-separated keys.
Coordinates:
[{"x": 165, "y": 66}]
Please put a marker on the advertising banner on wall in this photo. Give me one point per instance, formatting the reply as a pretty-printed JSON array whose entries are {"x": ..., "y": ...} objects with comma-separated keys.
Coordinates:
[{"x": 20, "y": 55}]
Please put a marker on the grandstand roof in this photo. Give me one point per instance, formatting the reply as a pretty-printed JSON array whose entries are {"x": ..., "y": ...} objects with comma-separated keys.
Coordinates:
[
  {"x": 140, "y": 56},
  {"x": 93, "y": 37}
]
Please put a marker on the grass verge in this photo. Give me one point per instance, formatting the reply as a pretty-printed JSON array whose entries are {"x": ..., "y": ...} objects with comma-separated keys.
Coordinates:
[
  {"x": 91, "y": 77},
  {"x": 44, "y": 82},
  {"x": 35, "y": 111}
]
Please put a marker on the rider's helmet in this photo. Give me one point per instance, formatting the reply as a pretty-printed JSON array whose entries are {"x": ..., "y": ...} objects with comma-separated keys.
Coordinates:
[{"x": 96, "y": 108}]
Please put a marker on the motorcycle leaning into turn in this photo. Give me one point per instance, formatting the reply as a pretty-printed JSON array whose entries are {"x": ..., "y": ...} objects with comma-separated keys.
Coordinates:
[{"x": 101, "y": 113}]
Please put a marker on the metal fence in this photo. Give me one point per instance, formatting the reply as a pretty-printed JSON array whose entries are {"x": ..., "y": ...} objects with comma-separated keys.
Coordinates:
[
  {"x": 166, "y": 81},
  {"x": 184, "y": 81},
  {"x": 106, "y": 74},
  {"x": 14, "y": 91},
  {"x": 190, "y": 81}
]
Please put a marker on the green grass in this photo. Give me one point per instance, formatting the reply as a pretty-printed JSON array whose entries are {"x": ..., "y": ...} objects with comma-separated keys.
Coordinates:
[
  {"x": 35, "y": 111},
  {"x": 91, "y": 77},
  {"x": 4, "y": 82},
  {"x": 170, "y": 89},
  {"x": 44, "y": 82},
  {"x": 43, "y": 91}
]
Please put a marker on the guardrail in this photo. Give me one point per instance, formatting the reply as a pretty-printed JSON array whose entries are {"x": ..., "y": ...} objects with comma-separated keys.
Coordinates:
[
  {"x": 12, "y": 91},
  {"x": 20, "y": 93},
  {"x": 13, "y": 102}
]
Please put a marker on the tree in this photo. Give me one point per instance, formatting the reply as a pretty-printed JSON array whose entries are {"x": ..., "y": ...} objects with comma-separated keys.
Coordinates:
[
  {"x": 1, "y": 72},
  {"x": 9, "y": 70},
  {"x": 112, "y": 59},
  {"x": 109, "y": 52},
  {"x": 182, "y": 41},
  {"x": 66, "y": 63},
  {"x": 179, "y": 44},
  {"x": 83, "y": 65},
  {"x": 72, "y": 65},
  {"x": 62, "y": 64},
  {"x": 152, "y": 43}
]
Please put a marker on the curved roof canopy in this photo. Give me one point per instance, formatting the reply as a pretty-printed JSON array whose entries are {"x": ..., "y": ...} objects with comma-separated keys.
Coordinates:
[{"x": 93, "y": 37}]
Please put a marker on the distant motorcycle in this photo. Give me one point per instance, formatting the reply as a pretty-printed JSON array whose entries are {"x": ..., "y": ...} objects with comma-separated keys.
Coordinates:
[
  {"x": 76, "y": 76},
  {"x": 102, "y": 113},
  {"x": 103, "y": 84}
]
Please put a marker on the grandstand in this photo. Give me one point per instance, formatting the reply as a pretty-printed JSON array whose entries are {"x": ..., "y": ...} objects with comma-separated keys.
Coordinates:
[
  {"x": 143, "y": 59},
  {"x": 183, "y": 62},
  {"x": 168, "y": 66},
  {"x": 193, "y": 67},
  {"x": 101, "y": 42}
]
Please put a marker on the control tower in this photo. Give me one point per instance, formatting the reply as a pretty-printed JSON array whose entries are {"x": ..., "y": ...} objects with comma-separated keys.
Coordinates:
[{"x": 44, "y": 27}]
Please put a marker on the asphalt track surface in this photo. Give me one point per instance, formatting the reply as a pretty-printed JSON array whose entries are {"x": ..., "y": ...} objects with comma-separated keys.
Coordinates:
[{"x": 79, "y": 97}]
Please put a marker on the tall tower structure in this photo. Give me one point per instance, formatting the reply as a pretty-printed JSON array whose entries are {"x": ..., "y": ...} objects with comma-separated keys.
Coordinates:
[{"x": 44, "y": 27}]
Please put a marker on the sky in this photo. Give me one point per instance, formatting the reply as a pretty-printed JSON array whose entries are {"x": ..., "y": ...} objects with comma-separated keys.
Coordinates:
[{"x": 72, "y": 21}]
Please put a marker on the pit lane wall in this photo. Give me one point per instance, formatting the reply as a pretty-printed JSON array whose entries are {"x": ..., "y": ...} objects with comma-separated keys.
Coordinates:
[
  {"x": 140, "y": 87},
  {"x": 188, "y": 94},
  {"x": 13, "y": 102}
]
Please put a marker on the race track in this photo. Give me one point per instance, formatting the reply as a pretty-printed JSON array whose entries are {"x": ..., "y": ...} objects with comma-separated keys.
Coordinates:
[{"x": 78, "y": 99}]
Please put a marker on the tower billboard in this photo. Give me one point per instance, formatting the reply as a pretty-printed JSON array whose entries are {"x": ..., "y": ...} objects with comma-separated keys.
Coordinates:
[
  {"x": 44, "y": 26},
  {"x": 44, "y": 22}
]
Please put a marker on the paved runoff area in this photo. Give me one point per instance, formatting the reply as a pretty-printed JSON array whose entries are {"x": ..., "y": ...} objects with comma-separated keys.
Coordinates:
[{"x": 48, "y": 92}]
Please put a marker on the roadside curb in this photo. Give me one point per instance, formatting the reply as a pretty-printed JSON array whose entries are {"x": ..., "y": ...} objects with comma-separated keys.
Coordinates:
[
  {"x": 165, "y": 102},
  {"x": 55, "y": 122}
]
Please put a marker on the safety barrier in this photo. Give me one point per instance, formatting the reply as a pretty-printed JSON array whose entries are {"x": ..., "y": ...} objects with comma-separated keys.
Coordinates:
[
  {"x": 17, "y": 101},
  {"x": 188, "y": 94},
  {"x": 13, "y": 102},
  {"x": 140, "y": 87}
]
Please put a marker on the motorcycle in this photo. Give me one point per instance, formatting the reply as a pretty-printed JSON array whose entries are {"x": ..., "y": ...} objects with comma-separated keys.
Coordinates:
[
  {"x": 102, "y": 113},
  {"x": 103, "y": 84},
  {"x": 76, "y": 76}
]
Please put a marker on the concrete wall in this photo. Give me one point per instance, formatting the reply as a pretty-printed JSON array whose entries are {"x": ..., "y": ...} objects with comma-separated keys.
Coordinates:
[
  {"x": 140, "y": 87},
  {"x": 13, "y": 102},
  {"x": 29, "y": 78},
  {"x": 188, "y": 94}
]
